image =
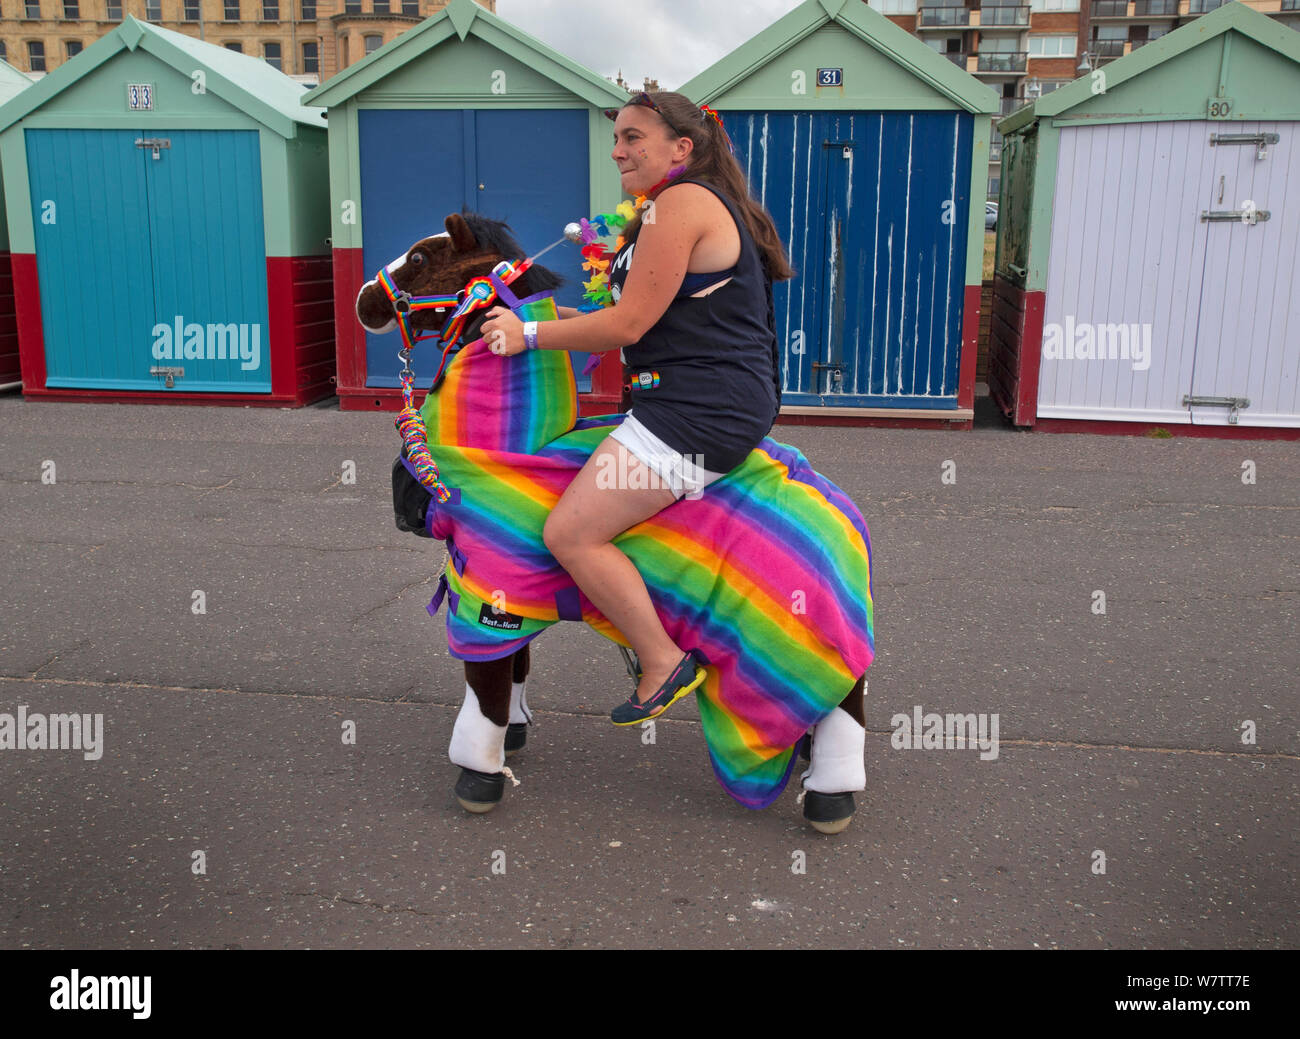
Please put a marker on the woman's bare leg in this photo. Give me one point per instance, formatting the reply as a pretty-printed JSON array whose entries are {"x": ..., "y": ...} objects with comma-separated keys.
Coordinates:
[{"x": 597, "y": 506}]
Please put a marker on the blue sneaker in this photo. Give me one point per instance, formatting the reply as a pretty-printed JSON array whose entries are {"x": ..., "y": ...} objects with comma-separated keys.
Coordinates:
[{"x": 686, "y": 678}]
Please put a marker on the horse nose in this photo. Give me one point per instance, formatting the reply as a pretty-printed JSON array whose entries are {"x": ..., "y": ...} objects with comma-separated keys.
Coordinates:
[{"x": 388, "y": 326}]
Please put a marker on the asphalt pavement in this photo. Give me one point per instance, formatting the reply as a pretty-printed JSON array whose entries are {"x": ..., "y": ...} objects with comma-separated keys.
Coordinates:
[{"x": 1143, "y": 795}]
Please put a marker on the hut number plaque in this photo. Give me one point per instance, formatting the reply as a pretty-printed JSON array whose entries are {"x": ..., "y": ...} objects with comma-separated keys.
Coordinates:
[
  {"x": 1219, "y": 108},
  {"x": 830, "y": 77},
  {"x": 139, "y": 97}
]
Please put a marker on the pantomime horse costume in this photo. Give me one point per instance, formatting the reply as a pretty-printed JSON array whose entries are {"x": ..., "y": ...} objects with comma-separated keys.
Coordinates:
[{"x": 767, "y": 574}]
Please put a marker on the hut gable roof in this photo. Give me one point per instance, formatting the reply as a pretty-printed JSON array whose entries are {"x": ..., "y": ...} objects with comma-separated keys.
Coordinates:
[
  {"x": 12, "y": 82},
  {"x": 461, "y": 19},
  {"x": 247, "y": 83},
  {"x": 1230, "y": 18},
  {"x": 868, "y": 25}
]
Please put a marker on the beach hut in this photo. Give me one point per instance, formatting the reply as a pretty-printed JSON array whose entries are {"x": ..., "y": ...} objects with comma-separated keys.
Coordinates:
[
  {"x": 168, "y": 220},
  {"x": 462, "y": 111},
  {"x": 868, "y": 148},
  {"x": 11, "y": 83},
  {"x": 1148, "y": 256}
]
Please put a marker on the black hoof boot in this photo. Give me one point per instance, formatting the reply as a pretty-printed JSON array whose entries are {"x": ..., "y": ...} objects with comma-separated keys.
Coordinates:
[
  {"x": 516, "y": 737},
  {"x": 828, "y": 813},
  {"x": 480, "y": 792}
]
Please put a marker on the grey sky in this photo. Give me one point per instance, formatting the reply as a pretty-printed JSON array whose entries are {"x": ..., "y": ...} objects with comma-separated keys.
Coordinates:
[{"x": 671, "y": 40}]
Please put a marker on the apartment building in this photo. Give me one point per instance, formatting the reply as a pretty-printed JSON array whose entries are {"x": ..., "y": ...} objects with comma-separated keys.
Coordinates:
[
  {"x": 309, "y": 40},
  {"x": 1025, "y": 50}
]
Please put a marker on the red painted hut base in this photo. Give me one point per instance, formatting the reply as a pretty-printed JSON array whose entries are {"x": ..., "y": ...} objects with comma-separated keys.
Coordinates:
[{"x": 1157, "y": 431}]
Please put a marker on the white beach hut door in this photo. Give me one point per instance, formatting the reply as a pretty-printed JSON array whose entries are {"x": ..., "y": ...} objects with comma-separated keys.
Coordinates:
[
  {"x": 1248, "y": 327},
  {"x": 1124, "y": 275}
]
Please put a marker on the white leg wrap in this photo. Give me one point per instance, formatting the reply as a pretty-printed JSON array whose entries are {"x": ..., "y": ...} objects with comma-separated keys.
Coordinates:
[
  {"x": 519, "y": 704},
  {"x": 475, "y": 742},
  {"x": 838, "y": 755}
]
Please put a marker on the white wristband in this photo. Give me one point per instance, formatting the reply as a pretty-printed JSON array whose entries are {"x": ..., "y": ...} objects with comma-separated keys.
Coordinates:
[{"x": 530, "y": 335}]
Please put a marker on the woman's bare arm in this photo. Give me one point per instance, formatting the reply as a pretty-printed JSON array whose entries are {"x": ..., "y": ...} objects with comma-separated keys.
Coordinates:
[{"x": 663, "y": 249}]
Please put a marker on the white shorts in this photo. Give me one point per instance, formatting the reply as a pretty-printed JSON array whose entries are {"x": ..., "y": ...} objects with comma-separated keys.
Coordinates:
[{"x": 679, "y": 473}]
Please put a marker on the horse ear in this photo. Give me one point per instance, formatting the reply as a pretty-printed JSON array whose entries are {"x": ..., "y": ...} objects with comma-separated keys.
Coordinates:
[{"x": 462, "y": 238}]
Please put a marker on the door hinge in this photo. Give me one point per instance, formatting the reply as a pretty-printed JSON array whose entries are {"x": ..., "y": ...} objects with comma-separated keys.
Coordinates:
[
  {"x": 1233, "y": 403},
  {"x": 153, "y": 142}
]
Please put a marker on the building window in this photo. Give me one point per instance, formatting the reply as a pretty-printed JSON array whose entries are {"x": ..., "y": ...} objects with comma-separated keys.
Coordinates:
[
  {"x": 4, "y": 54},
  {"x": 310, "y": 58},
  {"x": 71, "y": 10},
  {"x": 153, "y": 11},
  {"x": 35, "y": 56},
  {"x": 373, "y": 43},
  {"x": 351, "y": 6},
  {"x": 411, "y": 7},
  {"x": 1054, "y": 5},
  {"x": 1052, "y": 46},
  {"x": 232, "y": 10},
  {"x": 191, "y": 10},
  {"x": 894, "y": 6},
  {"x": 271, "y": 53},
  {"x": 271, "y": 11},
  {"x": 33, "y": 9},
  {"x": 73, "y": 48},
  {"x": 238, "y": 48},
  {"x": 309, "y": 8},
  {"x": 999, "y": 44},
  {"x": 995, "y": 183}
]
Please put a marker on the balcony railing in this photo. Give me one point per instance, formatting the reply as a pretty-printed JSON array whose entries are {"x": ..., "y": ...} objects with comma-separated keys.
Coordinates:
[
  {"x": 1109, "y": 8},
  {"x": 1291, "y": 5},
  {"x": 1205, "y": 6},
  {"x": 1107, "y": 48},
  {"x": 958, "y": 59},
  {"x": 1003, "y": 15},
  {"x": 1155, "y": 8},
  {"x": 1002, "y": 61},
  {"x": 944, "y": 16},
  {"x": 1007, "y": 105}
]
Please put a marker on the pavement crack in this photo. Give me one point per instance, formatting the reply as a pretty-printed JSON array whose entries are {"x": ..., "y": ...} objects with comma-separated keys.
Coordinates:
[
  {"x": 366, "y": 903},
  {"x": 389, "y": 602}
]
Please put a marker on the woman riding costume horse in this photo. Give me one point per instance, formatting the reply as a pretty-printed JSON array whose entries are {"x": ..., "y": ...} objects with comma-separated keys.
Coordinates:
[{"x": 765, "y": 572}]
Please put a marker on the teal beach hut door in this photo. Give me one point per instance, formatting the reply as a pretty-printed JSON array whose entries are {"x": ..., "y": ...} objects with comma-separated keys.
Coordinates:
[{"x": 151, "y": 256}]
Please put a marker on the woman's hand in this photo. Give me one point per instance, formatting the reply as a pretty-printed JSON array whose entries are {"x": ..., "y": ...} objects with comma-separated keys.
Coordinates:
[{"x": 503, "y": 332}]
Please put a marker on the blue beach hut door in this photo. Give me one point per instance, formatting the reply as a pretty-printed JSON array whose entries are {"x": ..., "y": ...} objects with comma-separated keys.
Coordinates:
[
  {"x": 151, "y": 260},
  {"x": 872, "y": 208},
  {"x": 527, "y": 167}
]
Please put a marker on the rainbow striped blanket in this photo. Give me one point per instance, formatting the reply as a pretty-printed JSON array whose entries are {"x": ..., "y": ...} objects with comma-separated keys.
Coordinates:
[{"x": 768, "y": 574}]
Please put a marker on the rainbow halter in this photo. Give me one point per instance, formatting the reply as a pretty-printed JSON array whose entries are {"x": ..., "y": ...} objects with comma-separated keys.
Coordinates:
[{"x": 478, "y": 293}]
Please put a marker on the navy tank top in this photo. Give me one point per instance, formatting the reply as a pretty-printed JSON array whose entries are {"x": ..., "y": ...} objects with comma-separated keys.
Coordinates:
[{"x": 705, "y": 379}]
